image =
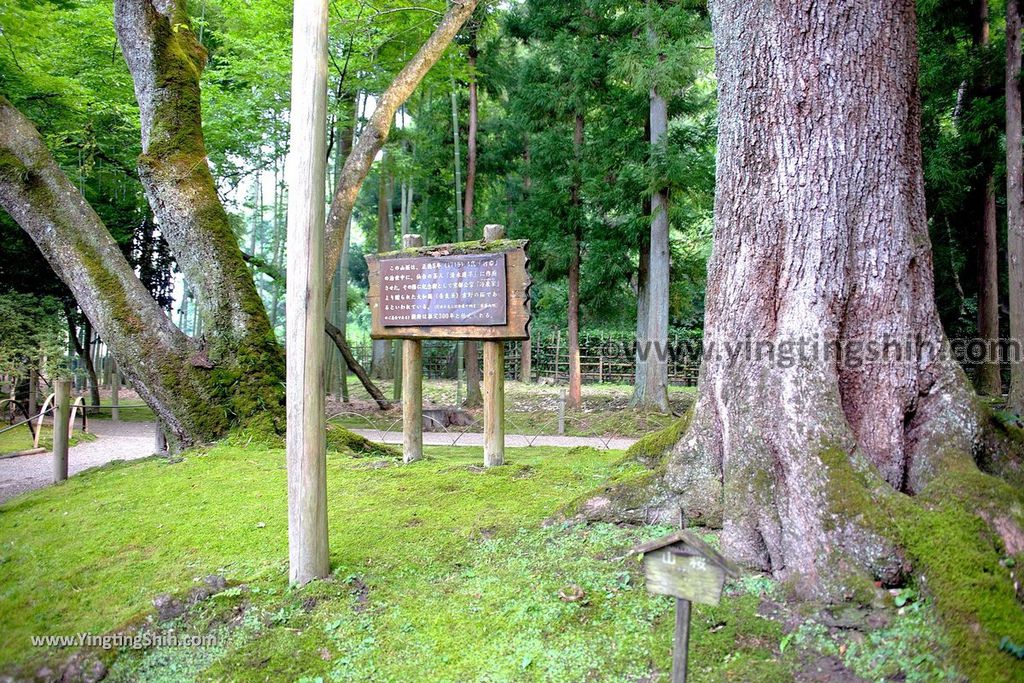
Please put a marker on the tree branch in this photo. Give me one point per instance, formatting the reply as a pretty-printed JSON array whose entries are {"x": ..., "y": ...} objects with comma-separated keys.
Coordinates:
[
  {"x": 338, "y": 338},
  {"x": 372, "y": 139}
]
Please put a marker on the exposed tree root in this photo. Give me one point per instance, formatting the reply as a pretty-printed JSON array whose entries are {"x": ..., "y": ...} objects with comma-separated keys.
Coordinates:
[{"x": 960, "y": 538}]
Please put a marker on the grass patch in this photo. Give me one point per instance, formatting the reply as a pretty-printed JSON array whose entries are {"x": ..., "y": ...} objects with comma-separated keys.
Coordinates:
[
  {"x": 440, "y": 571},
  {"x": 20, "y": 439}
]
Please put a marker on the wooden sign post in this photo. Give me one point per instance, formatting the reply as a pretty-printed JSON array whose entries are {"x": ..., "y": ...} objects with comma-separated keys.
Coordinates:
[
  {"x": 685, "y": 567},
  {"x": 468, "y": 290},
  {"x": 412, "y": 384}
]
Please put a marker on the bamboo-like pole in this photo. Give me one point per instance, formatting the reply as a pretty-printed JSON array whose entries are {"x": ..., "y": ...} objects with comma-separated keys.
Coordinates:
[{"x": 307, "y": 169}]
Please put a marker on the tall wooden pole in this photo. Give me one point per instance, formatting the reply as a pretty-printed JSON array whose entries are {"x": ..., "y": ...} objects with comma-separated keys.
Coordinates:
[
  {"x": 307, "y": 169},
  {"x": 61, "y": 416},
  {"x": 494, "y": 385},
  {"x": 412, "y": 390}
]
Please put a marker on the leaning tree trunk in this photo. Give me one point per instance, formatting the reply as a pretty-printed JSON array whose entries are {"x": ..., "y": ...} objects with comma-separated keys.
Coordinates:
[{"x": 165, "y": 60}]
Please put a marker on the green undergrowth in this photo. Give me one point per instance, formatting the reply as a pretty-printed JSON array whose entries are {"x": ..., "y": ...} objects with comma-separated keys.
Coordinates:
[
  {"x": 20, "y": 439},
  {"x": 956, "y": 557},
  {"x": 441, "y": 571}
]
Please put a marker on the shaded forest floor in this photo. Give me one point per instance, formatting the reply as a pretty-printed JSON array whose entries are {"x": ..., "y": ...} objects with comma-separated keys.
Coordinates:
[
  {"x": 529, "y": 409},
  {"x": 442, "y": 571}
]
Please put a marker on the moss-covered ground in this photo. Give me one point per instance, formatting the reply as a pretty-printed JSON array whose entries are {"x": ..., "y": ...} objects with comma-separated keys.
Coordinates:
[
  {"x": 442, "y": 571},
  {"x": 530, "y": 409}
]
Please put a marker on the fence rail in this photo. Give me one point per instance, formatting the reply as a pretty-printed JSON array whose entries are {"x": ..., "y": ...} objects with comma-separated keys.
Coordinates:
[{"x": 603, "y": 359}]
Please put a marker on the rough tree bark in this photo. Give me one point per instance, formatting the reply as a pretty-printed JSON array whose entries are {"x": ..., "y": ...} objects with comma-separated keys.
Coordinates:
[
  {"x": 1015, "y": 199},
  {"x": 830, "y": 471}
]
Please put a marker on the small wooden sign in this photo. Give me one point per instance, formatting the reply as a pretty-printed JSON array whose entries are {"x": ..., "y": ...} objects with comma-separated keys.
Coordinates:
[
  {"x": 469, "y": 290},
  {"x": 685, "y": 567}
]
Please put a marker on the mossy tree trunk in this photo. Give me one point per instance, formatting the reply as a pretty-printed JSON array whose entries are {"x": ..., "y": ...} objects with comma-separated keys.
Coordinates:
[
  {"x": 165, "y": 60},
  {"x": 155, "y": 356}
]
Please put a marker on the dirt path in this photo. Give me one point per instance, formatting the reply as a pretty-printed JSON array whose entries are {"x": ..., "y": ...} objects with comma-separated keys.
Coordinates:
[
  {"x": 511, "y": 440},
  {"x": 115, "y": 441}
]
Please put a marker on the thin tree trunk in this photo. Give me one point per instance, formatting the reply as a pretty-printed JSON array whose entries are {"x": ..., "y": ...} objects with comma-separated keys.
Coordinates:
[
  {"x": 474, "y": 397},
  {"x": 85, "y": 353},
  {"x": 575, "y": 399},
  {"x": 355, "y": 367},
  {"x": 989, "y": 376},
  {"x": 990, "y": 380},
  {"x": 643, "y": 301},
  {"x": 656, "y": 375},
  {"x": 1015, "y": 199},
  {"x": 373, "y": 136},
  {"x": 380, "y": 361}
]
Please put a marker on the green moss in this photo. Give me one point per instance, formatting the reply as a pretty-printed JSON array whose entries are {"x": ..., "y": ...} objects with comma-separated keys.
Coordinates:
[
  {"x": 654, "y": 447},
  {"x": 950, "y": 545},
  {"x": 460, "y": 248},
  {"x": 344, "y": 441}
]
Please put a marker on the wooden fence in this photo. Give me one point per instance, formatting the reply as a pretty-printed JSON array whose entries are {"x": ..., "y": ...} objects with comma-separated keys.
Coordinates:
[{"x": 604, "y": 358}]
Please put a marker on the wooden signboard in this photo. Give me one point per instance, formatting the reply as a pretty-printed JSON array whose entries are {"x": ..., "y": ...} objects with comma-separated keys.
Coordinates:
[{"x": 471, "y": 290}]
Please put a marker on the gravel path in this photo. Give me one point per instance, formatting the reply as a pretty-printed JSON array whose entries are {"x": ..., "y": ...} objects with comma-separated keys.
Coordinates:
[
  {"x": 115, "y": 441},
  {"x": 511, "y": 440}
]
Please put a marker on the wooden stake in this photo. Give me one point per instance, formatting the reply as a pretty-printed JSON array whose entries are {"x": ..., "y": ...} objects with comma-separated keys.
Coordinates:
[
  {"x": 682, "y": 641},
  {"x": 307, "y": 166},
  {"x": 33, "y": 389},
  {"x": 494, "y": 403},
  {"x": 61, "y": 415},
  {"x": 412, "y": 400},
  {"x": 159, "y": 439},
  {"x": 412, "y": 381},
  {"x": 115, "y": 391}
]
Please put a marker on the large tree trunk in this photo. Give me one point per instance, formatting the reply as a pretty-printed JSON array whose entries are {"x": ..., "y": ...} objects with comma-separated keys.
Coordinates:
[
  {"x": 158, "y": 359},
  {"x": 790, "y": 448},
  {"x": 833, "y": 472},
  {"x": 1015, "y": 198},
  {"x": 812, "y": 244}
]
